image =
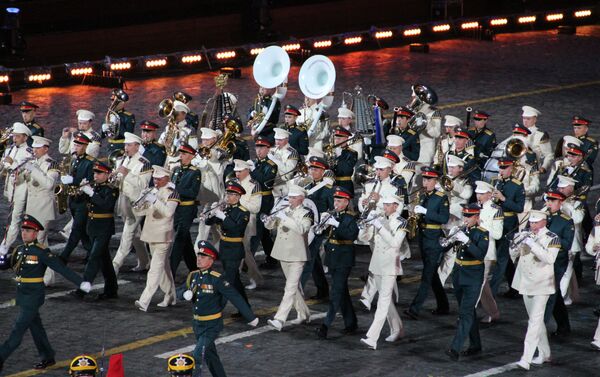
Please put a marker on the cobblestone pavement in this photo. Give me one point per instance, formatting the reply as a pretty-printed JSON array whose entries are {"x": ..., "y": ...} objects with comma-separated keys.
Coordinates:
[{"x": 557, "y": 74}]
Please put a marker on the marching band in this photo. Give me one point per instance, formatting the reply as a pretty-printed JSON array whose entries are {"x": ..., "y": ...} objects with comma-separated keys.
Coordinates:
[{"x": 478, "y": 212}]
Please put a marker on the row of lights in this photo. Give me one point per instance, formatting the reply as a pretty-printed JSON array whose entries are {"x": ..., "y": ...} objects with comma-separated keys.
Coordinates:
[{"x": 413, "y": 31}]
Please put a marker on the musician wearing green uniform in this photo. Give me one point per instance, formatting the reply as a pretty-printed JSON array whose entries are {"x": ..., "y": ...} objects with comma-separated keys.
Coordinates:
[
  {"x": 433, "y": 211},
  {"x": 411, "y": 146},
  {"x": 509, "y": 194},
  {"x": 28, "y": 112},
  {"x": 345, "y": 161},
  {"x": 29, "y": 261},
  {"x": 589, "y": 145},
  {"x": 298, "y": 135},
  {"x": 483, "y": 138},
  {"x": 187, "y": 184},
  {"x": 342, "y": 231},
  {"x": 209, "y": 292},
  {"x": 467, "y": 277},
  {"x": 232, "y": 222},
  {"x": 123, "y": 120},
  {"x": 153, "y": 151}
]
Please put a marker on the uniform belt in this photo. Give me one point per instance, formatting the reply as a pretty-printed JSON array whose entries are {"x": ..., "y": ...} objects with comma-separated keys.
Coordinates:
[
  {"x": 349, "y": 178},
  {"x": 209, "y": 317},
  {"x": 187, "y": 203},
  {"x": 431, "y": 226},
  {"x": 468, "y": 262},
  {"x": 265, "y": 193},
  {"x": 101, "y": 215},
  {"x": 341, "y": 242},
  {"x": 29, "y": 280},
  {"x": 509, "y": 213},
  {"x": 116, "y": 141},
  {"x": 232, "y": 239}
]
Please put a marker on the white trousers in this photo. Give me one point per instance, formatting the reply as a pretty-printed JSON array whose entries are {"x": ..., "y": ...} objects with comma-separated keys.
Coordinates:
[
  {"x": 536, "y": 337},
  {"x": 292, "y": 294},
  {"x": 385, "y": 307},
  {"x": 129, "y": 237},
  {"x": 597, "y": 334},
  {"x": 18, "y": 210},
  {"x": 370, "y": 290},
  {"x": 159, "y": 274}
]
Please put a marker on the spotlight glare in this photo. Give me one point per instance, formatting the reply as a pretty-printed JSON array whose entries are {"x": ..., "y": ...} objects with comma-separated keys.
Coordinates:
[
  {"x": 189, "y": 59},
  {"x": 499, "y": 21},
  {"x": 81, "y": 71},
  {"x": 441, "y": 28},
  {"x": 322, "y": 44},
  {"x": 412, "y": 32},
  {"x": 3, "y": 78},
  {"x": 226, "y": 55},
  {"x": 40, "y": 77},
  {"x": 583, "y": 13},
  {"x": 554, "y": 17},
  {"x": 469, "y": 25},
  {"x": 353, "y": 40},
  {"x": 122, "y": 66},
  {"x": 256, "y": 50},
  {"x": 527, "y": 19},
  {"x": 291, "y": 47},
  {"x": 383, "y": 34},
  {"x": 154, "y": 63}
]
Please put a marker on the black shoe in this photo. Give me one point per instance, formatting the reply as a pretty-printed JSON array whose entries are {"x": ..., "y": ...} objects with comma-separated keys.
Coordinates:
[
  {"x": 78, "y": 293},
  {"x": 236, "y": 315},
  {"x": 561, "y": 333},
  {"x": 511, "y": 293},
  {"x": 440, "y": 312},
  {"x": 350, "y": 330},
  {"x": 411, "y": 314},
  {"x": 269, "y": 265},
  {"x": 471, "y": 352},
  {"x": 320, "y": 296},
  {"x": 106, "y": 296},
  {"x": 452, "y": 354},
  {"x": 44, "y": 364},
  {"x": 322, "y": 332},
  {"x": 364, "y": 277},
  {"x": 597, "y": 312}
]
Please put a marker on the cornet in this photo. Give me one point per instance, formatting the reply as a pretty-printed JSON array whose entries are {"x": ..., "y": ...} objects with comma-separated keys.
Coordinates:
[
  {"x": 141, "y": 203},
  {"x": 212, "y": 209},
  {"x": 322, "y": 225},
  {"x": 267, "y": 218},
  {"x": 363, "y": 223},
  {"x": 520, "y": 237},
  {"x": 451, "y": 238}
]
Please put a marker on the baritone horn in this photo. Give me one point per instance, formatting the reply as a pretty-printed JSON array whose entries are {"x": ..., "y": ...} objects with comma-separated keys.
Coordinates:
[
  {"x": 270, "y": 70},
  {"x": 316, "y": 80}
]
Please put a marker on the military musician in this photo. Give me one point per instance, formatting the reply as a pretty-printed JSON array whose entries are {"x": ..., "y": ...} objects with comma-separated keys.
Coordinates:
[
  {"x": 345, "y": 119},
  {"x": 28, "y": 113},
  {"x": 153, "y": 151},
  {"x": 118, "y": 120},
  {"x": 404, "y": 166},
  {"x": 581, "y": 127},
  {"x": 345, "y": 160},
  {"x": 191, "y": 118},
  {"x": 411, "y": 144},
  {"x": 484, "y": 139},
  {"x": 84, "y": 125},
  {"x": 538, "y": 140},
  {"x": 286, "y": 159}
]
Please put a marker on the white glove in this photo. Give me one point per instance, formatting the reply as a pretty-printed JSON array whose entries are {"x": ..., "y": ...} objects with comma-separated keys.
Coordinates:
[
  {"x": 66, "y": 179},
  {"x": 272, "y": 156},
  {"x": 88, "y": 190},
  {"x": 252, "y": 113},
  {"x": 462, "y": 237},
  {"x": 150, "y": 198},
  {"x": 85, "y": 286},
  {"x": 29, "y": 166},
  {"x": 420, "y": 121},
  {"x": 281, "y": 215},
  {"x": 219, "y": 214},
  {"x": 254, "y": 322},
  {"x": 367, "y": 140},
  {"x": 570, "y": 169},
  {"x": 3, "y": 250},
  {"x": 333, "y": 222},
  {"x": 529, "y": 241},
  {"x": 251, "y": 163},
  {"x": 377, "y": 223},
  {"x": 105, "y": 127},
  {"x": 420, "y": 209},
  {"x": 371, "y": 215},
  {"x": 188, "y": 295}
]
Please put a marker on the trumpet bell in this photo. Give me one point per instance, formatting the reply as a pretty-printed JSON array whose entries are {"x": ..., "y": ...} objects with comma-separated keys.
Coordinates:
[
  {"x": 165, "y": 108},
  {"x": 317, "y": 77},
  {"x": 425, "y": 94},
  {"x": 271, "y": 67},
  {"x": 516, "y": 148}
]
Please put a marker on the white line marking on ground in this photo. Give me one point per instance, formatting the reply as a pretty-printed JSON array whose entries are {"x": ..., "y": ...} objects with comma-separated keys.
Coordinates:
[
  {"x": 11, "y": 303},
  {"x": 233, "y": 337},
  {"x": 494, "y": 371}
]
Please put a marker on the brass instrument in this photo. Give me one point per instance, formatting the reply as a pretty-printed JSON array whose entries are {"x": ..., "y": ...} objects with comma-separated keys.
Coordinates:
[
  {"x": 322, "y": 224},
  {"x": 114, "y": 156},
  {"x": 267, "y": 218},
  {"x": 364, "y": 173},
  {"x": 363, "y": 223},
  {"x": 166, "y": 111},
  {"x": 112, "y": 118},
  {"x": 412, "y": 222},
  {"x": 212, "y": 208},
  {"x": 520, "y": 237},
  {"x": 451, "y": 237},
  {"x": 371, "y": 202},
  {"x": 447, "y": 182},
  {"x": 222, "y": 105},
  {"x": 226, "y": 145},
  {"x": 516, "y": 149},
  {"x": 5, "y": 135},
  {"x": 422, "y": 95},
  {"x": 61, "y": 191},
  {"x": 329, "y": 150},
  {"x": 140, "y": 203},
  {"x": 316, "y": 80},
  {"x": 259, "y": 115}
]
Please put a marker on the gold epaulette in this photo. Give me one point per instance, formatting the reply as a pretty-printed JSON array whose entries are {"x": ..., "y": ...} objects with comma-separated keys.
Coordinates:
[
  {"x": 351, "y": 213},
  {"x": 190, "y": 276},
  {"x": 439, "y": 193},
  {"x": 36, "y": 125},
  {"x": 488, "y": 132},
  {"x": 270, "y": 162},
  {"x": 412, "y": 132},
  {"x": 90, "y": 158},
  {"x": 565, "y": 216},
  {"x": 126, "y": 112},
  {"x": 242, "y": 208},
  {"x": 215, "y": 273},
  {"x": 545, "y": 138},
  {"x": 514, "y": 180}
]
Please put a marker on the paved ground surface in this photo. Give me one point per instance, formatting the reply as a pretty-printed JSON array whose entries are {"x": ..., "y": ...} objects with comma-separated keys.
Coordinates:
[{"x": 559, "y": 75}]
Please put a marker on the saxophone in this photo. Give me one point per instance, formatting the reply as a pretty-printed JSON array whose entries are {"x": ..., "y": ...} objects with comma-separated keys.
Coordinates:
[{"x": 61, "y": 191}]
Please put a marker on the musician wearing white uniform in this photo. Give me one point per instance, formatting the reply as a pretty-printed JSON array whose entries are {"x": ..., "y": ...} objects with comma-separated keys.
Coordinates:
[
  {"x": 380, "y": 186},
  {"x": 286, "y": 159},
  {"x": 42, "y": 178},
  {"x": 446, "y": 143},
  {"x": 491, "y": 218},
  {"x": 592, "y": 247},
  {"x": 15, "y": 186},
  {"x": 135, "y": 171},
  {"x": 387, "y": 234},
  {"x": 538, "y": 140},
  {"x": 158, "y": 232},
  {"x": 534, "y": 279},
  {"x": 307, "y": 114},
  {"x": 252, "y": 201},
  {"x": 291, "y": 249},
  {"x": 404, "y": 167},
  {"x": 84, "y": 125},
  {"x": 345, "y": 118},
  {"x": 184, "y": 134},
  {"x": 431, "y": 124}
]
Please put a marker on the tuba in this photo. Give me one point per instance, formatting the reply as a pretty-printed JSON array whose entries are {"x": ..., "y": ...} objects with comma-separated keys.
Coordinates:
[
  {"x": 112, "y": 118},
  {"x": 515, "y": 149},
  {"x": 225, "y": 146},
  {"x": 166, "y": 111},
  {"x": 270, "y": 70},
  {"x": 316, "y": 80},
  {"x": 61, "y": 191},
  {"x": 422, "y": 95}
]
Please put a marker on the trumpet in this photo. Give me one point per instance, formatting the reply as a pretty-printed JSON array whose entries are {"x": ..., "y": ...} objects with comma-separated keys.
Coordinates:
[
  {"x": 17, "y": 169},
  {"x": 520, "y": 237},
  {"x": 363, "y": 223},
  {"x": 451, "y": 238},
  {"x": 371, "y": 202},
  {"x": 211, "y": 209},
  {"x": 321, "y": 225},
  {"x": 141, "y": 203},
  {"x": 267, "y": 218}
]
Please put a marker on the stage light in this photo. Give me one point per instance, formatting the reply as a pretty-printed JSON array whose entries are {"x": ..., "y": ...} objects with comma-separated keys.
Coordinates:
[
  {"x": 583, "y": 13},
  {"x": 322, "y": 44},
  {"x": 122, "y": 66},
  {"x": 469, "y": 25},
  {"x": 291, "y": 47},
  {"x": 226, "y": 55},
  {"x": 3, "y": 79},
  {"x": 441, "y": 28},
  {"x": 554, "y": 17},
  {"x": 256, "y": 50},
  {"x": 353, "y": 40},
  {"x": 498, "y": 21},
  {"x": 81, "y": 71},
  {"x": 190, "y": 59},
  {"x": 154, "y": 63},
  {"x": 39, "y": 77},
  {"x": 384, "y": 34},
  {"x": 412, "y": 32},
  {"x": 526, "y": 19}
]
